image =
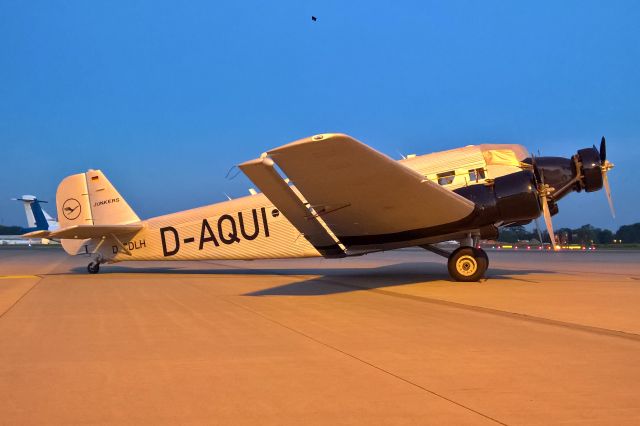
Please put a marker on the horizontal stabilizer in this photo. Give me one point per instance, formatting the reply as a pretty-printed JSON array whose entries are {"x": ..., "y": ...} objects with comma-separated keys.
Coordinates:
[
  {"x": 93, "y": 231},
  {"x": 36, "y": 234}
]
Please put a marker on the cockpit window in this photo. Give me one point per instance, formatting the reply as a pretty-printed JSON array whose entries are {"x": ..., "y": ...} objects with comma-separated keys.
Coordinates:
[
  {"x": 446, "y": 178},
  {"x": 476, "y": 174}
]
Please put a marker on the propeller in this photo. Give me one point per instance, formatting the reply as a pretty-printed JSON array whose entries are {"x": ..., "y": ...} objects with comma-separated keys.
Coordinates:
[
  {"x": 544, "y": 195},
  {"x": 603, "y": 150},
  {"x": 544, "y": 192},
  {"x": 538, "y": 230},
  {"x": 605, "y": 166}
]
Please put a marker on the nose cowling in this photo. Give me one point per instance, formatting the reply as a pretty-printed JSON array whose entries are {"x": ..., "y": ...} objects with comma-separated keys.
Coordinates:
[
  {"x": 581, "y": 172},
  {"x": 590, "y": 169}
]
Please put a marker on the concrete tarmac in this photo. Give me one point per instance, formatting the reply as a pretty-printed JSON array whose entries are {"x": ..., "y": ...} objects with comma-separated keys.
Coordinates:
[{"x": 548, "y": 338}]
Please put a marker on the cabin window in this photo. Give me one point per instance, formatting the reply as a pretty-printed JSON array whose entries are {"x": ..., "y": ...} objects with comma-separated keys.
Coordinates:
[
  {"x": 476, "y": 174},
  {"x": 446, "y": 178}
]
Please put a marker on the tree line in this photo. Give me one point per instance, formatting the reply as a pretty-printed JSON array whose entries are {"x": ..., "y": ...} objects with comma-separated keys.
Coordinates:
[
  {"x": 11, "y": 230},
  {"x": 586, "y": 234}
]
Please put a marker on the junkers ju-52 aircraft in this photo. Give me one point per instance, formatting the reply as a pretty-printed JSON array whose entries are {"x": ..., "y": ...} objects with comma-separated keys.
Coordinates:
[{"x": 336, "y": 197}]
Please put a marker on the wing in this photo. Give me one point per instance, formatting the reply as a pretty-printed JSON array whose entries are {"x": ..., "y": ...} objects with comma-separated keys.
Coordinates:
[
  {"x": 91, "y": 231},
  {"x": 364, "y": 196}
]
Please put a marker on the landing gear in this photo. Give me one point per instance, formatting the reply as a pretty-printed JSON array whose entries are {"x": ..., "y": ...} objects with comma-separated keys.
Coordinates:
[
  {"x": 467, "y": 264},
  {"x": 483, "y": 254},
  {"x": 93, "y": 267}
]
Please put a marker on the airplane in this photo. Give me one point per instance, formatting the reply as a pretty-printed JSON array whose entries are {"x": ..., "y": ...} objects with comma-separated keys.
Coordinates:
[
  {"x": 37, "y": 217},
  {"x": 330, "y": 195}
]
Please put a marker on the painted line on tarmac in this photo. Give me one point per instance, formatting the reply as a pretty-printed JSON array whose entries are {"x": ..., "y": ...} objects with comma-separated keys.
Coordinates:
[
  {"x": 457, "y": 305},
  {"x": 363, "y": 361},
  {"x": 13, "y": 305},
  {"x": 492, "y": 311},
  {"x": 12, "y": 277}
]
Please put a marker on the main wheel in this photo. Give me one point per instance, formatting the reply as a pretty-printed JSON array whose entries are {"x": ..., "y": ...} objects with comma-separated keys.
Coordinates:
[
  {"x": 93, "y": 267},
  {"x": 483, "y": 254},
  {"x": 467, "y": 264}
]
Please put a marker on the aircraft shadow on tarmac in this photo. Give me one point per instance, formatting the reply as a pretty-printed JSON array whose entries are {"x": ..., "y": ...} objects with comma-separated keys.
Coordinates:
[
  {"x": 333, "y": 280},
  {"x": 376, "y": 278}
]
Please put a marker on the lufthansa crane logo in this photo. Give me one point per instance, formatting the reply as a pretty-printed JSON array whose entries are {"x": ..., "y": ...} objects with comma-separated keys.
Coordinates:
[{"x": 71, "y": 209}]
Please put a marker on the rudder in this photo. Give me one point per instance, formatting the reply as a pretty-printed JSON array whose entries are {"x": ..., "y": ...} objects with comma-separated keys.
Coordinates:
[{"x": 90, "y": 199}]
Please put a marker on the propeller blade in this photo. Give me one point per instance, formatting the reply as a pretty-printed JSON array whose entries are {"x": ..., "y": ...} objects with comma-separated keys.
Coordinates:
[
  {"x": 538, "y": 230},
  {"x": 541, "y": 176},
  {"x": 547, "y": 221},
  {"x": 607, "y": 190},
  {"x": 534, "y": 167},
  {"x": 603, "y": 150}
]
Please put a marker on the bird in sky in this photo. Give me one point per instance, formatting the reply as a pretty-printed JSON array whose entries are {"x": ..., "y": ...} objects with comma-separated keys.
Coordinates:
[{"x": 314, "y": 19}]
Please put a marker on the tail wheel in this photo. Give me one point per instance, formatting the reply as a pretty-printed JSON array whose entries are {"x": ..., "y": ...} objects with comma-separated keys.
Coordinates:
[
  {"x": 93, "y": 267},
  {"x": 467, "y": 264}
]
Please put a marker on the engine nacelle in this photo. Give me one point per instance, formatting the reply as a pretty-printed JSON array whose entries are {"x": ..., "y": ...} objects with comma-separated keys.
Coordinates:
[
  {"x": 510, "y": 199},
  {"x": 516, "y": 197}
]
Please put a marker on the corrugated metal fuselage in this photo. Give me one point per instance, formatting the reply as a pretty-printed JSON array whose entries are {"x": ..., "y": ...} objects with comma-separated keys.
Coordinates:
[{"x": 251, "y": 227}]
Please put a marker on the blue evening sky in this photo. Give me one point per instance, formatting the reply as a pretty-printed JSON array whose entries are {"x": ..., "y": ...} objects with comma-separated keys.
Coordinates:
[{"x": 165, "y": 97}]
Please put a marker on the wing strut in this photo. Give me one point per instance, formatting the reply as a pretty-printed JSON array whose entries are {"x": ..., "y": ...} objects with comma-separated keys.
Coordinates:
[
  {"x": 118, "y": 242},
  {"x": 263, "y": 174}
]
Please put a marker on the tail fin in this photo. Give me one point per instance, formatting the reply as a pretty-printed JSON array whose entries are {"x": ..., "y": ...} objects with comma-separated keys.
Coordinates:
[
  {"x": 90, "y": 199},
  {"x": 51, "y": 222},
  {"x": 37, "y": 218}
]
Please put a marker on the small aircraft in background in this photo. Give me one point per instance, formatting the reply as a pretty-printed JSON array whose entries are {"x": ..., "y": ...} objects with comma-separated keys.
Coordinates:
[
  {"x": 37, "y": 218},
  {"x": 337, "y": 197}
]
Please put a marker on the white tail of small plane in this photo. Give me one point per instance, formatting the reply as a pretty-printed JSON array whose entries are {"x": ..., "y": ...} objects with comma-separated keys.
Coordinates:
[{"x": 37, "y": 217}]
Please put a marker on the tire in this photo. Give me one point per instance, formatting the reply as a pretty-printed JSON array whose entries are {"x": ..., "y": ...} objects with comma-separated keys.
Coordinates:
[
  {"x": 483, "y": 254},
  {"x": 467, "y": 264},
  {"x": 93, "y": 267}
]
